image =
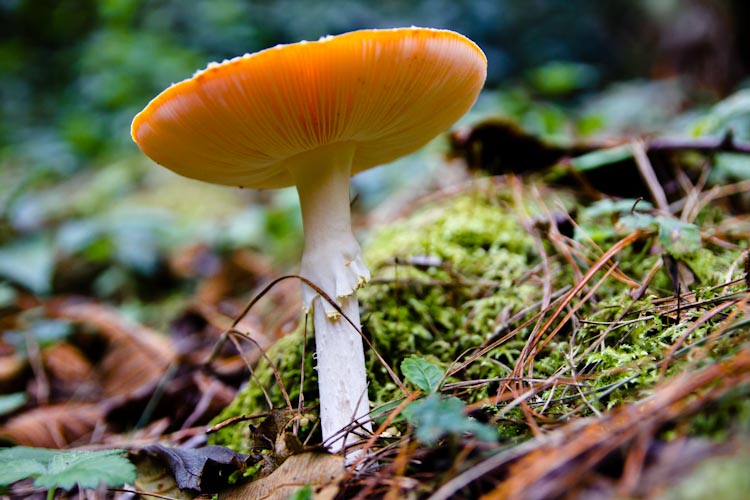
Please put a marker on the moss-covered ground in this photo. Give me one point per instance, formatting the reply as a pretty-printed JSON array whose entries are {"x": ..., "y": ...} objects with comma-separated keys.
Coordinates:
[{"x": 540, "y": 307}]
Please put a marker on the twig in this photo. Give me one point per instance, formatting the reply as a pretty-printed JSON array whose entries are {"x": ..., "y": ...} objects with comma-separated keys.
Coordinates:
[
  {"x": 391, "y": 417},
  {"x": 638, "y": 293},
  {"x": 483, "y": 381},
  {"x": 692, "y": 192},
  {"x": 236, "y": 333},
  {"x": 531, "y": 345},
  {"x": 648, "y": 175},
  {"x": 573, "y": 309},
  {"x": 500, "y": 336},
  {"x": 37, "y": 367},
  {"x": 234, "y": 420},
  {"x": 156, "y": 396},
  {"x": 707, "y": 145},
  {"x": 705, "y": 317},
  {"x": 586, "y": 250},
  {"x": 142, "y": 493},
  {"x": 539, "y": 305},
  {"x": 224, "y": 336},
  {"x": 721, "y": 144},
  {"x": 301, "y": 399}
]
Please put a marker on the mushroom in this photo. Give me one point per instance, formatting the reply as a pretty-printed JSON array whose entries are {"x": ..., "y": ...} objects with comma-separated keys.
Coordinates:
[{"x": 311, "y": 115}]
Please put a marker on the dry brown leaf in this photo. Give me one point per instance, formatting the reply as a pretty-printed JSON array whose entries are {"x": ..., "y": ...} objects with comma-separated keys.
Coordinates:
[
  {"x": 154, "y": 477},
  {"x": 321, "y": 471},
  {"x": 167, "y": 469},
  {"x": 66, "y": 363},
  {"x": 11, "y": 371},
  {"x": 136, "y": 357},
  {"x": 53, "y": 426}
]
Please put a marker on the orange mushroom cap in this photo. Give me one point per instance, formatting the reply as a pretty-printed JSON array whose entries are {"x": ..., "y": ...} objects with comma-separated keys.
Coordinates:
[{"x": 245, "y": 121}]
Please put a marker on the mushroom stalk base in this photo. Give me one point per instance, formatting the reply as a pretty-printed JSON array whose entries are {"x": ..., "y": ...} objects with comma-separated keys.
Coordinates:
[
  {"x": 342, "y": 379},
  {"x": 332, "y": 260}
]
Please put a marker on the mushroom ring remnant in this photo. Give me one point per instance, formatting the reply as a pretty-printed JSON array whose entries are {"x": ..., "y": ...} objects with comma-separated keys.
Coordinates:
[{"x": 311, "y": 115}]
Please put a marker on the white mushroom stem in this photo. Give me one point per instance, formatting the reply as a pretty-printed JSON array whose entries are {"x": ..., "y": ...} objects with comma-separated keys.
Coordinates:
[{"x": 332, "y": 259}]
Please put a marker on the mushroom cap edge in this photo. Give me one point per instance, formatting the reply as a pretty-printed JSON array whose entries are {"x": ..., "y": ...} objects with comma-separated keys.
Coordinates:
[{"x": 246, "y": 120}]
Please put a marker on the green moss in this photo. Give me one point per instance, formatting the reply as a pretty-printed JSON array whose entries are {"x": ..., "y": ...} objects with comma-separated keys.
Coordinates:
[
  {"x": 438, "y": 312},
  {"x": 286, "y": 356},
  {"x": 447, "y": 279},
  {"x": 726, "y": 417},
  {"x": 710, "y": 265}
]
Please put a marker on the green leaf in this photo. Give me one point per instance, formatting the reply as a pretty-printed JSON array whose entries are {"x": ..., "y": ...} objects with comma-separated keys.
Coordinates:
[
  {"x": 304, "y": 493},
  {"x": 422, "y": 373},
  {"x": 563, "y": 77},
  {"x": 29, "y": 263},
  {"x": 434, "y": 417},
  {"x": 65, "y": 469},
  {"x": 42, "y": 455},
  {"x": 380, "y": 413},
  {"x": 601, "y": 157},
  {"x": 8, "y": 295},
  {"x": 18, "y": 469},
  {"x": 133, "y": 238},
  {"x": 635, "y": 221},
  {"x": 45, "y": 332},
  {"x": 21, "y": 462},
  {"x": 731, "y": 166},
  {"x": 730, "y": 114},
  {"x": 678, "y": 238},
  {"x": 11, "y": 402},
  {"x": 607, "y": 206}
]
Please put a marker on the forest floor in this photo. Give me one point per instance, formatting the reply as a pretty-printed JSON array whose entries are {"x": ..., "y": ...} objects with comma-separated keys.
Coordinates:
[{"x": 547, "y": 319}]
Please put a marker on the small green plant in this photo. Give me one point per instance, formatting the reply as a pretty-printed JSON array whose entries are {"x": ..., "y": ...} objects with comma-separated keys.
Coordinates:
[
  {"x": 304, "y": 493},
  {"x": 422, "y": 373},
  {"x": 436, "y": 416},
  {"x": 54, "y": 469},
  {"x": 678, "y": 238}
]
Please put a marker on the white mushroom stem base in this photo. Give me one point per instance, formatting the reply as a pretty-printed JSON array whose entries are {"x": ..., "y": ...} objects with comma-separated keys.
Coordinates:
[
  {"x": 332, "y": 260},
  {"x": 342, "y": 379}
]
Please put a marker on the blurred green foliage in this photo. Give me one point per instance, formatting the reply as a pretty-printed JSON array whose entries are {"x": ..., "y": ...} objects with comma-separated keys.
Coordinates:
[
  {"x": 74, "y": 72},
  {"x": 76, "y": 195}
]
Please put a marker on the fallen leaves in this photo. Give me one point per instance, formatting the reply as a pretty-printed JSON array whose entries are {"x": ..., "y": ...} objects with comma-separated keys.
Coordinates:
[
  {"x": 136, "y": 357},
  {"x": 163, "y": 469},
  {"x": 109, "y": 372},
  {"x": 106, "y": 378},
  {"x": 321, "y": 471},
  {"x": 54, "y": 426}
]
